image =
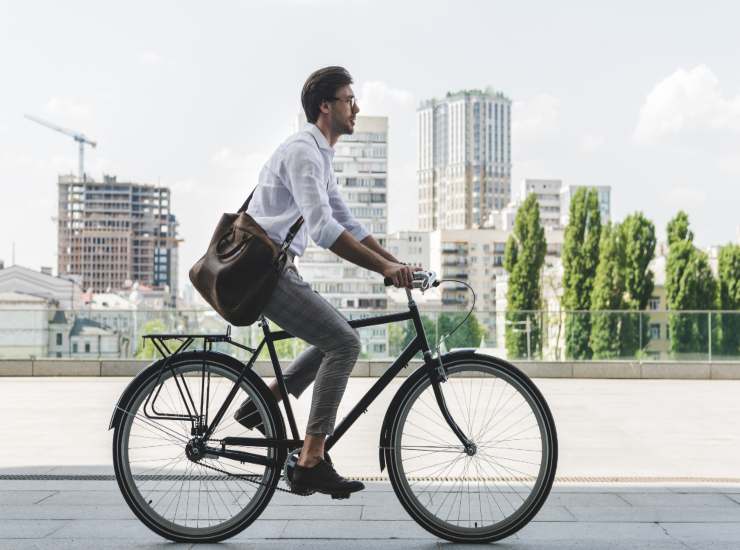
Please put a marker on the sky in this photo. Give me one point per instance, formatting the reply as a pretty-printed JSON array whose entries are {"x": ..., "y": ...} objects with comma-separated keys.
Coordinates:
[{"x": 641, "y": 96}]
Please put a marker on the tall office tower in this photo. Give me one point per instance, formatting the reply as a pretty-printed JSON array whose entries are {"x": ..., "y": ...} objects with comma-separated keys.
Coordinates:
[
  {"x": 360, "y": 164},
  {"x": 113, "y": 234},
  {"x": 464, "y": 152}
]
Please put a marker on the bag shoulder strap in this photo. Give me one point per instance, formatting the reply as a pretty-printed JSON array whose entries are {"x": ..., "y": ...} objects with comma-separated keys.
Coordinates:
[{"x": 296, "y": 225}]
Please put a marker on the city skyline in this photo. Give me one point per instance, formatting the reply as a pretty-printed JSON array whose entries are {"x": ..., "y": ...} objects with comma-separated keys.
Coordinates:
[{"x": 192, "y": 106}]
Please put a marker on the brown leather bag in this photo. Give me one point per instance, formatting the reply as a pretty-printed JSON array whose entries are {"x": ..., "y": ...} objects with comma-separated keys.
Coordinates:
[{"x": 240, "y": 269}]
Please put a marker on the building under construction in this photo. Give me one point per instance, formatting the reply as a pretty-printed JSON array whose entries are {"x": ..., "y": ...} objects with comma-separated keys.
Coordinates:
[{"x": 115, "y": 234}]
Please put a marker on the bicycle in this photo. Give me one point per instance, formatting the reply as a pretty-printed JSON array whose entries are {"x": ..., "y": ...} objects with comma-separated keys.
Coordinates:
[{"x": 468, "y": 440}]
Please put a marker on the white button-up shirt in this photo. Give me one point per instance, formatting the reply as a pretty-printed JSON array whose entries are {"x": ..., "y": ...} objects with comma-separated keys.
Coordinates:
[{"x": 299, "y": 180}]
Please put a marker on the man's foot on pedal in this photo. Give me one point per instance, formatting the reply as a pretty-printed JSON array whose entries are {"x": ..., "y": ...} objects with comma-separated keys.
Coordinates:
[
  {"x": 248, "y": 416},
  {"x": 323, "y": 478}
]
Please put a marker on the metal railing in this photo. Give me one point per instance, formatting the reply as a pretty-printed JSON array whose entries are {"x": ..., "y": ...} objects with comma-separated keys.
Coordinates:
[{"x": 536, "y": 335}]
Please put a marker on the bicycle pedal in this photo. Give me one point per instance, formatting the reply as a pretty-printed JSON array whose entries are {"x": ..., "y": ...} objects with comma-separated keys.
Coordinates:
[{"x": 340, "y": 496}]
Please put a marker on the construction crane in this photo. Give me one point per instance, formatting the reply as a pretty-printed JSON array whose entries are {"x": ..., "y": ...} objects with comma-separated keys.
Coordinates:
[{"x": 77, "y": 136}]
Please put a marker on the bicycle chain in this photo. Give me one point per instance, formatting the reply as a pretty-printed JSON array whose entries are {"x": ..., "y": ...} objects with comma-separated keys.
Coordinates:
[{"x": 246, "y": 478}]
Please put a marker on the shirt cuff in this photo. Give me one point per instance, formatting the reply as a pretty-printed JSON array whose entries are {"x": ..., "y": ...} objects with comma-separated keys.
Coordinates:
[
  {"x": 359, "y": 232},
  {"x": 329, "y": 234}
]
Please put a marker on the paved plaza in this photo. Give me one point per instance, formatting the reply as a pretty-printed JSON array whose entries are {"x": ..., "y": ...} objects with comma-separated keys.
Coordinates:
[{"x": 643, "y": 464}]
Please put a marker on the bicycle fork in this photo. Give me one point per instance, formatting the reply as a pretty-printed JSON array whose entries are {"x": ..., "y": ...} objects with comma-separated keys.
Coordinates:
[{"x": 438, "y": 377}]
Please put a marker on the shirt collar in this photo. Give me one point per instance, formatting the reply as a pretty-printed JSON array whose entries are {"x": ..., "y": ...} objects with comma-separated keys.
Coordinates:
[{"x": 320, "y": 138}]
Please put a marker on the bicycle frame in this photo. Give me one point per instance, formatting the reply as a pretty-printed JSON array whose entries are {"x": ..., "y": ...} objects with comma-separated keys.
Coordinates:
[{"x": 432, "y": 365}]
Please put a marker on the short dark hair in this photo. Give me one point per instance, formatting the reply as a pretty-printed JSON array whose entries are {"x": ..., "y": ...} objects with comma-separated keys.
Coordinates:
[{"x": 321, "y": 86}]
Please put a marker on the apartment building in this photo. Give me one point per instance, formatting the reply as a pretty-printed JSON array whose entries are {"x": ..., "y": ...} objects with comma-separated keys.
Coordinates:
[{"x": 113, "y": 234}]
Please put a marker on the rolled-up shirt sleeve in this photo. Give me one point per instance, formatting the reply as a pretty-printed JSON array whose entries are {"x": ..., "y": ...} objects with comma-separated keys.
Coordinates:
[
  {"x": 343, "y": 214},
  {"x": 307, "y": 182}
]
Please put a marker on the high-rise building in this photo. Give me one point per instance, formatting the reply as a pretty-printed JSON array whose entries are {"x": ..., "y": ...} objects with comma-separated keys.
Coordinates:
[
  {"x": 361, "y": 168},
  {"x": 464, "y": 152},
  {"x": 114, "y": 234}
]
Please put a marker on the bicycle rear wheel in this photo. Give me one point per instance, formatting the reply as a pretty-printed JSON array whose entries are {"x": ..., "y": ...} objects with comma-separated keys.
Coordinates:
[
  {"x": 492, "y": 491},
  {"x": 176, "y": 493}
]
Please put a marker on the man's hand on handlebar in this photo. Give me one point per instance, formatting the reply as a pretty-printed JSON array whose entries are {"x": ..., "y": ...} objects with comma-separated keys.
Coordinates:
[{"x": 400, "y": 275}]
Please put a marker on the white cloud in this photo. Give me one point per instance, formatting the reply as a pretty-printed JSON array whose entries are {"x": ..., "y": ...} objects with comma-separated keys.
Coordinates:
[
  {"x": 685, "y": 101},
  {"x": 591, "y": 143},
  {"x": 150, "y": 58},
  {"x": 68, "y": 107},
  {"x": 535, "y": 118}
]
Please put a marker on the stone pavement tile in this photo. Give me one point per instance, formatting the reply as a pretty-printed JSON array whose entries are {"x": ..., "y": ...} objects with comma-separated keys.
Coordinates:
[
  {"x": 329, "y": 544},
  {"x": 570, "y": 545},
  {"x": 73, "y": 498},
  {"x": 135, "y": 530},
  {"x": 586, "y": 499},
  {"x": 28, "y": 529},
  {"x": 627, "y": 514},
  {"x": 299, "y": 529},
  {"x": 565, "y": 488},
  {"x": 357, "y": 499},
  {"x": 18, "y": 498},
  {"x": 96, "y": 544},
  {"x": 704, "y": 535},
  {"x": 87, "y": 469},
  {"x": 597, "y": 531},
  {"x": 547, "y": 513},
  {"x": 91, "y": 511},
  {"x": 677, "y": 499},
  {"x": 56, "y": 485},
  {"x": 26, "y": 470},
  {"x": 345, "y": 513}
]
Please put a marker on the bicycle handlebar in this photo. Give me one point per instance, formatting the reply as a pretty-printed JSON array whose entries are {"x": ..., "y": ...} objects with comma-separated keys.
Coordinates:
[{"x": 423, "y": 280}]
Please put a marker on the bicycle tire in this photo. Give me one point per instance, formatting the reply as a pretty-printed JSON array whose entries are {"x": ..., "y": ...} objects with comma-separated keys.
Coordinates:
[
  {"x": 468, "y": 372},
  {"x": 142, "y": 506}
]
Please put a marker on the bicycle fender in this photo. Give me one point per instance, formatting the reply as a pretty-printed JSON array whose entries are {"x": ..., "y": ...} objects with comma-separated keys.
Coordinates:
[
  {"x": 390, "y": 414},
  {"x": 153, "y": 368}
]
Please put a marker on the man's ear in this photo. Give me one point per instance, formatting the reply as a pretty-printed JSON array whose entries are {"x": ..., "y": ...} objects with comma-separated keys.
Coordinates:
[{"x": 324, "y": 107}]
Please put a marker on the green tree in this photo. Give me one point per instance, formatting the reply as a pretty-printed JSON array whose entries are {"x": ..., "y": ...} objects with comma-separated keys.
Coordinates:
[
  {"x": 523, "y": 260},
  {"x": 469, "y": 335},
  {"x": 153, "y": 326},
  {"x": 400, "y": 335},
  {"x": 690, "y": 285},
  {"x": 580, "y": 259},
  {"x": 608, "y": 294},
  {"x": 728, "y": 296},
  {"x": 639, "y": 250},
  {"x": 285, "y": 349}
]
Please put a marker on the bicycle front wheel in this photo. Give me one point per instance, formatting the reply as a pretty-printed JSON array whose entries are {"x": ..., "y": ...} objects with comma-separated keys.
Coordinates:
[
  {"x": 488, "y": 492},
  {"x": 174, "y": 487}
]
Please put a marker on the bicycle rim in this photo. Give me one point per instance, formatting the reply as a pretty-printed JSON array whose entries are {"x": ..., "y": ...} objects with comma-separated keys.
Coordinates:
[
  {"x": 495, "y": 491},
  {"x": 181, "y": 499}
]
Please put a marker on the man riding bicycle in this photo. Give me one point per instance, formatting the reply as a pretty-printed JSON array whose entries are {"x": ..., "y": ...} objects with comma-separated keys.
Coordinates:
[{"x": 298, "y": 180}]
